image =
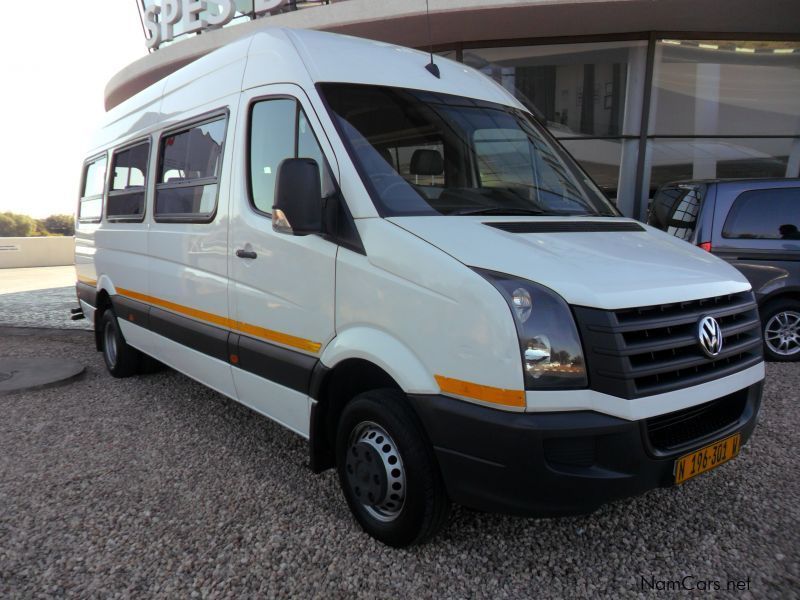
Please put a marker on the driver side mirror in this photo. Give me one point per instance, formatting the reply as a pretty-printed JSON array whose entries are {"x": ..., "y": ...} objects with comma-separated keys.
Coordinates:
[{"x": 298, "y": 198}]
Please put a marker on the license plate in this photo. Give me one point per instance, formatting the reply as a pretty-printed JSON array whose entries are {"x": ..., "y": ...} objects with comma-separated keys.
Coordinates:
[{"x": 707, "y": 458}]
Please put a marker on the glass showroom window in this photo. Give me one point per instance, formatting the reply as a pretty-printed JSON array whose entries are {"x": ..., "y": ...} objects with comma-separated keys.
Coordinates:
[
  {"x": 706, "y": 93},
  {"x": 589, "y": 95}
]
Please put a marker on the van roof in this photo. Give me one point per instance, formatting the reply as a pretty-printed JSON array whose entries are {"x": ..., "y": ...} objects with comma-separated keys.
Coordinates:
[{"x": 278, "y": 55}]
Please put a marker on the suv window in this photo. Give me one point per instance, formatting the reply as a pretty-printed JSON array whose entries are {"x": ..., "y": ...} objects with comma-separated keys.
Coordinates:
[
  {"x": 675, "y": 210},
  {"x": 772, "y": 214},
  {"x": 94, "y": 177},
  {"x": 128, "y": 178},
  {"x": 190, "y": 161},
  {"x": 279, "y": 129}
]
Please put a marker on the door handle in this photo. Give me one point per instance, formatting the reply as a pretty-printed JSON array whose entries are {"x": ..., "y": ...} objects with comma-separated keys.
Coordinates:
[{"x": 241, "y": 253}]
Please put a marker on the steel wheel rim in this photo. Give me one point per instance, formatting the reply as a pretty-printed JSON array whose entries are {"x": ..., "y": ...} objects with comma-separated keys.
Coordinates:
[
  {"x": 374, "y": 471},
  {"x": 110, "y": 345},
  {"x": 782, "y": 333}
]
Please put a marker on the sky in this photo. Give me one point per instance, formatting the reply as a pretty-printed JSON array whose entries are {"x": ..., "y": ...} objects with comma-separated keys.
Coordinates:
[{"x": 57, "y": 59}]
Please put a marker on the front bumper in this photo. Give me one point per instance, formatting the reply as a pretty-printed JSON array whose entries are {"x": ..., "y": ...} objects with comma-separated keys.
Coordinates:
[{"x": 552, "y": 464}]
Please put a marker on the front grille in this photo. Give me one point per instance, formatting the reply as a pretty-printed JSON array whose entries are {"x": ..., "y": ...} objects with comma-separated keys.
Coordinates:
[
  {"x": 650, "y": 350},
  {"x": 677, "y": 429}
]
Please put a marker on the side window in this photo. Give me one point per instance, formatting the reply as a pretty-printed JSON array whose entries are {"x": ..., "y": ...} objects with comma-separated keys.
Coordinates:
[
  {"x": 279, "y": 130},
  {"x": 94, "y": 176},
  {"x": 765, "y": 215},
  {"x": 190, "y": 160},
  {"x": 128, "y": 181},
  {"x": 675, "y": 210}
]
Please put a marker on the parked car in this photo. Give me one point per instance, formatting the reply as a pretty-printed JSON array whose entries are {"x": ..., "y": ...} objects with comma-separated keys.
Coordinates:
[
  {"x": 400, "y": 264},
  {"x": 753, "y": 224}
]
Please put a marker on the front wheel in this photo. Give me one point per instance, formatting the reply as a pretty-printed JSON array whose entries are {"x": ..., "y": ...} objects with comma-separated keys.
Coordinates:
[
  {"x": 781, "y": 326},
  {"x": 387, "y": 470}
]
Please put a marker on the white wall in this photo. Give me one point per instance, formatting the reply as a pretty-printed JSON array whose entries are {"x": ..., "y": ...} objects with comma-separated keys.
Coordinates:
[{"x": 36, "y": 251}]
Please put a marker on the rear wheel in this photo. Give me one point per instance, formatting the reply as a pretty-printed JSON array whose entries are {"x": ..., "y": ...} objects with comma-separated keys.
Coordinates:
[
  {"x": 387, "y": 470},
  {"x": 781, "y": 328},
  {"x": 121, "y": 359}
]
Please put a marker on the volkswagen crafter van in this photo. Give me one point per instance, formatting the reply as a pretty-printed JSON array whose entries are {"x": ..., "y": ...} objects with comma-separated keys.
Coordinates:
[{"x": 408, "y": 271}]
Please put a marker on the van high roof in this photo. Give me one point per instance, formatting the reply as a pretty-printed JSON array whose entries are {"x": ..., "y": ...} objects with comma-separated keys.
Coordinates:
[{"x": 305, "y": 57}]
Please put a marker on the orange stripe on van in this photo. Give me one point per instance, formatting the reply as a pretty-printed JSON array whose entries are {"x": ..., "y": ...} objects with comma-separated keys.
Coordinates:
[
  {"x": 87, "y": 280},
  {"x": 178, "y": 308},
  {"x": 484, "y": 393},
  {"x": 277, "y": 336},
  {"x": 253, "y": 330}
]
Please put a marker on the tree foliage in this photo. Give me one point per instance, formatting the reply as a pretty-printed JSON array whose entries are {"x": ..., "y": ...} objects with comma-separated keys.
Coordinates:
[
  {"x": 16, "y": 225},
  {"x": 60, "y": 225}
]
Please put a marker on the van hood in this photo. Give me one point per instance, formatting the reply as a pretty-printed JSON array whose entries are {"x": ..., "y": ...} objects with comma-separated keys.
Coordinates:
[{"x": 608, "y": 263}]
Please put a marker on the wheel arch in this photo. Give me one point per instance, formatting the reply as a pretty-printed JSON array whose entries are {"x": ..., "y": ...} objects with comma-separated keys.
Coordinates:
[
  {"x": 359, "y": 359},
  {"x": 331, "y": 389},
  {"x": 103, "y": 304},
  {"x": 779, "y": 295}
]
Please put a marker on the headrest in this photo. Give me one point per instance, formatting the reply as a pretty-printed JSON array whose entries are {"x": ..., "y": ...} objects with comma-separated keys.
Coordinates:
[{"x": 426, "y": 162}]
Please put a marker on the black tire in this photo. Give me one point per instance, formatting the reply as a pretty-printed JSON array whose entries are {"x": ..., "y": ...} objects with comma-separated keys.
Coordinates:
[
  {"x": 121, "y": 359},
  {"x": 780, "y": 325},
  {"x": 423, "y": 505}
]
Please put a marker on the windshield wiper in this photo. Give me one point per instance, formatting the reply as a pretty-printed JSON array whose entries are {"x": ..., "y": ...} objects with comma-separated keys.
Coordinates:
[{"x": 499, "y": 210}]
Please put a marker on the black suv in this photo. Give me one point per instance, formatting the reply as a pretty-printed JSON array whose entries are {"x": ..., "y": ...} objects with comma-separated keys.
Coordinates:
[{"x": 753, "y": 224}]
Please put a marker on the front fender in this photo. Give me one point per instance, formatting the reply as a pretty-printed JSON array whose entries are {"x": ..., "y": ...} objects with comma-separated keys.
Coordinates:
[{"x": 385, "y": 351}]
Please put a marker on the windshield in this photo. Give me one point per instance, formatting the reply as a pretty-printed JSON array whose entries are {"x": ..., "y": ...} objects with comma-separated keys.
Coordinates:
[{"x": 426, "y": 153}]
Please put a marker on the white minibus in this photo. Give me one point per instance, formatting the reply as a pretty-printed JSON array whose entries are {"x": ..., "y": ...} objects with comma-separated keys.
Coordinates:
[{"x": 403, "y": 267}]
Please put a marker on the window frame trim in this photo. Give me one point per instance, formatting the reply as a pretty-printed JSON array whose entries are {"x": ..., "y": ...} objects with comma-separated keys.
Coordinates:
[
  {"x": 211, "y": 116},
  {"x": 145, "y": 188},
  {"x": 249, "y": 143},
  {"x": 102, "y": 195}
]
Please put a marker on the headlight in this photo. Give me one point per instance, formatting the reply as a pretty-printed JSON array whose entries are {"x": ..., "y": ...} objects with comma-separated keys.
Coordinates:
[{"x": 552, "y": 356}]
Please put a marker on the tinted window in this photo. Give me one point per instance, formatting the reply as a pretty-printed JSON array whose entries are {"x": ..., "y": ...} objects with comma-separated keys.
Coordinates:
[
  {"x": 91, "y": 205},
  {"x": 128, "y": 177},
  {"x": 675, "y": 210},
  {"x": 279, "y": 130},
  {"x": 190, "y": 163},
  {"x": 765, "y": 215}
]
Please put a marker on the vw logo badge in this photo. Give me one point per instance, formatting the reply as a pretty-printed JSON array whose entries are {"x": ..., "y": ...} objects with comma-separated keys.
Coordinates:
[{"x": 709, "y": 335}]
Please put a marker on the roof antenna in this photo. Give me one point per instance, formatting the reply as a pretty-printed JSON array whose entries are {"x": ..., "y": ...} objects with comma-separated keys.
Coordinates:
[{"x": 433, "y": 69}]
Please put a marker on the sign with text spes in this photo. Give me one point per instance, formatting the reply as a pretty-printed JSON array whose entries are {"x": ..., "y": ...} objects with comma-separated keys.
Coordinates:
[{"x": 165, "y": 20}]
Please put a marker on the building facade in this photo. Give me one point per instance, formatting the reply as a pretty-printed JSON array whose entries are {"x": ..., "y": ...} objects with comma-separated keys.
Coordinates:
[{"x": 641, "y": 92}]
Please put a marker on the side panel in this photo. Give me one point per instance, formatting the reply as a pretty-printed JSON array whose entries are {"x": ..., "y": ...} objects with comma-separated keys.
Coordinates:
[
  {"x": 440, "y": 322},
  {"x": 282, "y": 299},
  {"x": 209, "y": 371},
  {"x": 188, "y": 262}
]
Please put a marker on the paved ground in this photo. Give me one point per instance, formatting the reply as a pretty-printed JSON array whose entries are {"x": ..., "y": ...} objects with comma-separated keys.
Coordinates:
[
  {"x": 157, "y": 486},
  {"x": 39, "y": 297},
  {"x": 36, "y": 278}
]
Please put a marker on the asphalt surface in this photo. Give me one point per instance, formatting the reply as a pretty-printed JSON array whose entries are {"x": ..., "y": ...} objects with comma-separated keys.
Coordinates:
[{"x": 155, "y": 486}]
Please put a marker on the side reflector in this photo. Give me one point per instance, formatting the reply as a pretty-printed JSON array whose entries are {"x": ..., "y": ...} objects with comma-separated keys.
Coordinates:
[{"x": 705, "y": 246}]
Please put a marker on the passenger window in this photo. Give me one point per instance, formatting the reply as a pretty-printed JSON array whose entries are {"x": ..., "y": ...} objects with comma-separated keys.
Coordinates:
[
  {"x": 279, "y": 129},
  {"x": 128, "y": 179},
  {"x": 186, "y": 189},
  {"x": 765, "y": 215},
  {"x": 94, "y": 176}
]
